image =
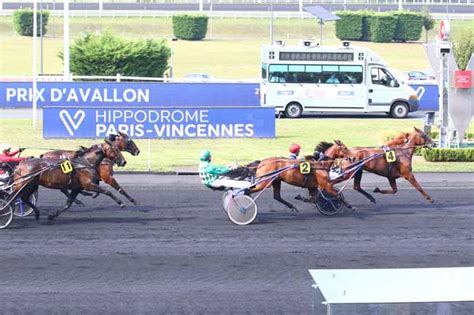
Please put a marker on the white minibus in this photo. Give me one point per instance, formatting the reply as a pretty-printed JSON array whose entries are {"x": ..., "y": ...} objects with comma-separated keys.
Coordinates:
[{"x": 313, "y": 79}]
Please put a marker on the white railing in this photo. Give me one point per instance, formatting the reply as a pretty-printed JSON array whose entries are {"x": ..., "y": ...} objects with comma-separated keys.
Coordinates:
[
  {"x": 212, "y": 14},
  {"x": 430, "y": 2}
]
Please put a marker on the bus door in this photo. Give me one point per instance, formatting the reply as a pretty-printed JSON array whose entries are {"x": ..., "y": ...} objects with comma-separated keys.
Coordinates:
[{"x": 383, "y": 88}]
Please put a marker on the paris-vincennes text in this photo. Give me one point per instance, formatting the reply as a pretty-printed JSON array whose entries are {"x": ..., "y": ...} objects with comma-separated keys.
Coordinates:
[{"x": 168, "y": 124}]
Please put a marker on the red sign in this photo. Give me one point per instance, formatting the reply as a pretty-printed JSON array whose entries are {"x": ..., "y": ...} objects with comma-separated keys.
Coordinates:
[
  {"x": 444, "y": 30},
  {"x": 463, "y": 79}
]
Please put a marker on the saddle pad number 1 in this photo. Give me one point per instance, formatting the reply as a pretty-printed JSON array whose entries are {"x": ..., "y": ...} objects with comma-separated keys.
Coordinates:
[
  {"x": 390, "y": 156},
  {"x": 305, "y": 168},
  {"x": 66, "y": 167}
]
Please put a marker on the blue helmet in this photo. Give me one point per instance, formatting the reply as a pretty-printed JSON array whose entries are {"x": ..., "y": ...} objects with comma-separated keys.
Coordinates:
[{"x": 205, "y": 155}]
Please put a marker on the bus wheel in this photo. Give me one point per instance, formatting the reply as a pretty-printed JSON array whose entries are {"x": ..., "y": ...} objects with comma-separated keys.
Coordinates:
[
  {"x": 293, "y": 110},
  {"x": 399, "y": 110}
]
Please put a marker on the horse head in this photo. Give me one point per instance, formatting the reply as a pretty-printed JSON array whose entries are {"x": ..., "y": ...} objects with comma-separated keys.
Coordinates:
[
  {"x": 338, "y": 150},
  {"x": 125, "y": 143},
  {"x": 420, "y": 138},
  {"x": 112, "y": 152}
]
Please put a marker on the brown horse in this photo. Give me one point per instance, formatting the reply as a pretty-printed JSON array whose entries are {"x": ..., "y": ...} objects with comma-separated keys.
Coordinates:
[
  {"x": 402, "y": 167},
  {"x": 48, "y": 173},
  {"x": 317, "y": 178},
  {"x": 105, "y": 168}
]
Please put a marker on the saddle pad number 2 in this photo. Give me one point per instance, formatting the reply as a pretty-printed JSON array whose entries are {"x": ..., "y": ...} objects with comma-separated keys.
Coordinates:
[
  {"x": 305, "y": 168},
  {"x": 66, "y": 167},
  {"x": 390, "y": 156}
]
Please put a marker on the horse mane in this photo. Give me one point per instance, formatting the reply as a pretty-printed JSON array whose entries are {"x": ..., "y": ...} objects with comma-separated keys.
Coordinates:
[
  {"x": 82, "y": 150},
  {"x": 321, "y": 148}
]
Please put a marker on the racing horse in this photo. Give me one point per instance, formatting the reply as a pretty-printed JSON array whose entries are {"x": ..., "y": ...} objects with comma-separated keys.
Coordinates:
[
  {"x": 105, "y": 168},
  {"x": 318, "y": 176},
  {"x": 84, "y": 175},
  {"x": 404, "y": 147}
]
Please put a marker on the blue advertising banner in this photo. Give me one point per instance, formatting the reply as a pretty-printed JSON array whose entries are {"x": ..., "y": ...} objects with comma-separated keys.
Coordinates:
[
  {"x": 427, "y": 95},
  {"x": 20, "y": 94},
  {"x": 156, "y": 122}
]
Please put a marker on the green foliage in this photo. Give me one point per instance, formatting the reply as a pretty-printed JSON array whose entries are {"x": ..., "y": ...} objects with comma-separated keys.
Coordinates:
[
  {"x": 349, "y": 27},
  {"x": 409, "y": 26},
  {"x": 428, "y": 21},
  {"x": 353, "y": 25},
  {"x": 190, "y": 27},
  {"x": 463, "y": 47},
  {"x": 448, "y": 155},
  {"x": 110, "y": 55},
  {"x": 382, "y": 27},
  {"x": 23, "y": 22},
  {"x": 435, "y": 135}
]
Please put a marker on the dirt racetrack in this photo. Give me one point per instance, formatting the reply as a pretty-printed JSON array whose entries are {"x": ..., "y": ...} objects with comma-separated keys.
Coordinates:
[{"x": 176, "y": 252}]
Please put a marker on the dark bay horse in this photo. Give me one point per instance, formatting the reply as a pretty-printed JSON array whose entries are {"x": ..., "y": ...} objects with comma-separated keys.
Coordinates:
[
  {"x": 404, "y": 147},
  {"x": 317, "y": 178},
  {"x": 105, "y": 168},
  {"x": 83, "y": 177}
]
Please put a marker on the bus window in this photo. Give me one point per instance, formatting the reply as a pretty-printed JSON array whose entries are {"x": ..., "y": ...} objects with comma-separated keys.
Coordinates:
[
  {"x": 296, "y": 74},
  {"x": 313, "y": 74},
  {"x": 330, "y": 75},
  {"x": 277, "y": 73},
  {"x": 350, "y": 74},
  {"x": 264, "y": 70}
]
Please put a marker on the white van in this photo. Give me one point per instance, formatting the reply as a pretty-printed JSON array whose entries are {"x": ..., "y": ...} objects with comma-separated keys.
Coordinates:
[{"x": 308, "y": 78}]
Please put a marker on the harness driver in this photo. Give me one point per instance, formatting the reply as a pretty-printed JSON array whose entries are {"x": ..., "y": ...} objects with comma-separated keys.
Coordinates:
[{"x": 214, "y": 176}]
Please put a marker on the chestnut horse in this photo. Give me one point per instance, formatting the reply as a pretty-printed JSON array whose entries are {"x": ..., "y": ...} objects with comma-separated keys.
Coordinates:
[
  {"x": 105, "y": 168},
  {"x": 317, "y": 178},
  {"x": 402, "y": 167},
  {"x": 48, "y": 173}
]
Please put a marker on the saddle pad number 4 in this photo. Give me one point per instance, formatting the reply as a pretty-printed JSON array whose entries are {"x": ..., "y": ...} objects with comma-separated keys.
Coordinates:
[
  {"x": 305, "y": 168},
  {"x": 390, "y": 156},
  {"x": 66, "y": 167}
]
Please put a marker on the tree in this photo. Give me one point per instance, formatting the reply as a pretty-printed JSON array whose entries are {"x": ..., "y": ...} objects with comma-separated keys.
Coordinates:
[
  {"x": 428, "y": 21},
  {"x": 110, "y": 55},
  {"x": 463, "y": 47}
]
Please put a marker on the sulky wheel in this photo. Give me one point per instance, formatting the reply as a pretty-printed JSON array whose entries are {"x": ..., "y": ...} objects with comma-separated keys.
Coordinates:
[
  {"x": 21, "y": 209},
  {"x": 329, "y": 205},
  {"x": 241, "y": 209},
  {"x": 6, "y": 214}
]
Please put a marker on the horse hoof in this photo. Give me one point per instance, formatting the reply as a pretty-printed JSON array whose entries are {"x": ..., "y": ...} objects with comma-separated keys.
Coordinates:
[
  {"x": 430, "y": 200},
  {"x": 294, "y": 209},
  {"x": 376, "y": 190},
  {"x": 51, "y": 217},
  {"x": 134, "y": 202},
  {"x": 373, "y": 201},
  {"x": 122, "y": 205},
  {"x": 353, "y": 209},
  {"x": 37, "y": 216},
  {"x": 299, "y": 197}
]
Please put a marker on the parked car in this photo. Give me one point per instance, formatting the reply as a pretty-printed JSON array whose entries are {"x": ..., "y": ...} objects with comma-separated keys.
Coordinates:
[
  {"x": 420, "y": 75},
  {"x": 198, "y": 77}
]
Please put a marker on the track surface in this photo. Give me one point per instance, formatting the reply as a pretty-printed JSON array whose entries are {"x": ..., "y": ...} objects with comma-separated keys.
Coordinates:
[{"x": 177, "y": 253}]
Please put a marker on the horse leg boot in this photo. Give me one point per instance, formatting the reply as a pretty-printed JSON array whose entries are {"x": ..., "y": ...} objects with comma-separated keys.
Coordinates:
[
  {"x": 35, "y": 209},
  {"x": 311, "y": 194},
  {"x": 276, "y": 195},
  {"x": 68, "y": 204},
  {"x": 413, "y": 181},
  {"x": 356, "y": 187},
  {"x": 112, "y": 182},
  {"x": 76, "y": 201},
  {"x": 328, "y": 187},
  {"x": 393, "y": 184},
  {"x": 96, "y": 188}
]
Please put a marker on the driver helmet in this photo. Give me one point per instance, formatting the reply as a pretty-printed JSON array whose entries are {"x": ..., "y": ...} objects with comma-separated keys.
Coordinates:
[
  {"x": 205, "y": 155},
  {"x": 295, "y": 148}
]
